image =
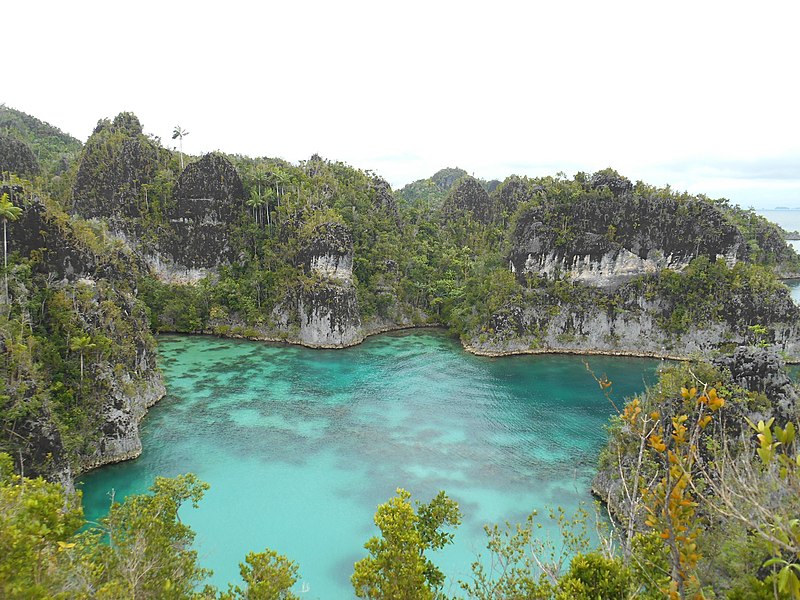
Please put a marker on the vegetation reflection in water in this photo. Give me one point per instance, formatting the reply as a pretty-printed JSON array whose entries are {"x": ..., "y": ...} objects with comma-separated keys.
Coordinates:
[{"x": 300, "y": 445}]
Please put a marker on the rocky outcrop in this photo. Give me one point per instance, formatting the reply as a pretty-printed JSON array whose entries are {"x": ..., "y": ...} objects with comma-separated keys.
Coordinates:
[
  {"x": 329, "y": 316},
  {"x": 321, "y": 309},
  {"x": 120, "y": 417},
  {"x": 328, "y": 252},
  {"x": 468, "y": 196},
  {"x": 327, "y": 306},
  {"x": 207, "y": 200},
  {"x": 64, "y": 253},
  {"x": 613, "y": 181},
  {"x": 512, "y": 192},
  {"x": 39, "y": 447},
  {"x": 116, "y": 162},
  {"x": 17, "y": 157},
  {"x": 754, "y": 369},
  {"x": 382, "y": 198},
  {"x": 630, "y": 321},
  {"x": 75, "y": 423},
  {"x": 761, "y": 370},
  {"x": 213, "y": 182},
  {"x": 605, "y": 239}
]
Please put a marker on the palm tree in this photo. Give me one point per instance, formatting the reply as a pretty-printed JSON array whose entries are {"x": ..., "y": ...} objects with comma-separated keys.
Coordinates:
[
  {"x": 179, "y": 134},
  {"x": 82, "y": 344},
  {"x": 282, "y": 178},
  {"x": 268, "y": 196},
  {"x": 255, "y": 202},
  {"x": 8, "y": 212}
]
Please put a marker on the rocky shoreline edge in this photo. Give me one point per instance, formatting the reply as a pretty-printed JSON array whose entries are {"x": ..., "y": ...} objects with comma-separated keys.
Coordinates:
[{"x": 465, "y": 345}]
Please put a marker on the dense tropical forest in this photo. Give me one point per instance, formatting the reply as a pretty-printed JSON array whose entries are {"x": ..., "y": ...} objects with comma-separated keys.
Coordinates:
[{"x": 112, "y": 241}]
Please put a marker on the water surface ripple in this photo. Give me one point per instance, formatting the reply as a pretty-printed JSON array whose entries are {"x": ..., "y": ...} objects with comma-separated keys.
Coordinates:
[{"x": 300, "y": 445}]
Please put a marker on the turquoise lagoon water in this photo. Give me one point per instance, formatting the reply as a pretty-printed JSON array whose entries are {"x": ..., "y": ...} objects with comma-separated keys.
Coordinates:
[
  {"x": 794, "y": 289},
  {"x": 301, "y": 445}
]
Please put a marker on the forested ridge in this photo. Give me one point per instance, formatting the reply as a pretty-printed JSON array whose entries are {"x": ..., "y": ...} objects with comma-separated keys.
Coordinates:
[{"x": 114, "y": 240}]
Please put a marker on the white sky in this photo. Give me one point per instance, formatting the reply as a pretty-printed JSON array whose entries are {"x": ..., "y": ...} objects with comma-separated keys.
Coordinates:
[{"x": 703, "y": 95}]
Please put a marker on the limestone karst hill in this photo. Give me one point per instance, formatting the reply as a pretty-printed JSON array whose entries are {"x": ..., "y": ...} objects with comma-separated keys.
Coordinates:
[{"x": 324, "y": 254}]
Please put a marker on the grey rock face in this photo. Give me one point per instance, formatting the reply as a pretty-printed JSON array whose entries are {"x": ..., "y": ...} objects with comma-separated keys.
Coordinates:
[
  {"x": 207, "y": 199},
  {"x": 754, "y": 369},
  {"x": 512, "y": 192},
  {"x": 468, "y": 197},
  {"x": 17, "y": 157},
  {"x": 634, "y": 325},
  {"x": 116, "y": 162},
  {"x": 606, "y": 240},
  {"x": 383, "y": 199},
  {"x": 121, "y": 416},
  {"x": 328, "y": 252},
  {"x": 329, "y": 316},
  {"x": 104, "y": 274},
  {"x": 328, "y": 309},
  {"x": 445, "y": 178},
  {"x": 762, "y": 370},
  {"x": 64, "y": 255},
  {"x": 612, "y": 180}
]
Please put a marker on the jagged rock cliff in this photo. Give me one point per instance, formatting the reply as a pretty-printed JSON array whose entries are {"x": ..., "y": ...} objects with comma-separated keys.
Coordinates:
[
  {"x": 762, "y": 370},
  {"x": 116, "y": 162},
  {"x": 17, "y": 157},
  {"x": 383, "y": 198},
  {"x": 320, "y": 309},
  {"x": 512, "y": 192},
  {"x": 753, "y": 369},
  {"x": 606, "y": 239},
  {"x": 207, "y": 200},
  {"x": 83, "y": 283},
  {"x": 637, "y": 319},
  {"x": 467, "y": 196},
  {"x": 327, "y": 306},
  {"x": 70, "y": 250}
]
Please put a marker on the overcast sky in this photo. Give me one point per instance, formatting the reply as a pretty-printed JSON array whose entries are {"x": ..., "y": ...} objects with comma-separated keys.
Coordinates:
[{"x": 701, "y": 95}]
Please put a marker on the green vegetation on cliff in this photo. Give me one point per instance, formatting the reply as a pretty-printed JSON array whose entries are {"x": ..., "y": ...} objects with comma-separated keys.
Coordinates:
[
  {"x": 51, "y": 147},
  {"x": 78, "y": 349},
  {"x": 703, "y": 475},
  {"x": 323, "y": 253}
]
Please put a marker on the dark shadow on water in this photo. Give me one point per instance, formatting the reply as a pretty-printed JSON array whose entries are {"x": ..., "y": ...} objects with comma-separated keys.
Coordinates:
[{"x": 404, "y": 410}]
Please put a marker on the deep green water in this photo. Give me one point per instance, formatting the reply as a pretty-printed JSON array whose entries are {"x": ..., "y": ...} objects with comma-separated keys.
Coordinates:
[{"x": 301, "y": 445}]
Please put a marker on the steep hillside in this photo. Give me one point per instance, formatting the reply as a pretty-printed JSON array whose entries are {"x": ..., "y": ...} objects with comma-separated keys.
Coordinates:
[
  {"x": 16, "y": 157},
  {"x": 323, "y": 254},
  {"x": 207, "y": 201},
  {"x": 711, "y": 422},
  {"x": 80, "y": 369},
  {"x": 432, "y": 191},
  {"x": 53, "y": 149},
  {"x": 116, "y": 166},
  {"x": 604, "y": 238}
]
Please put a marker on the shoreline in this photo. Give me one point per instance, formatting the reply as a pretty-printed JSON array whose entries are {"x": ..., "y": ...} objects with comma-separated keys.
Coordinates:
[
  {"x": 295, "y": 342},
  {"x": 464, "y": 345},
  {"x": 574, "y": 351}
]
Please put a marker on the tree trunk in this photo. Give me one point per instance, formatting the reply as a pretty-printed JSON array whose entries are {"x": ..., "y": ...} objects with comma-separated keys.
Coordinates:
[{"x": 5, "y": 259}]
